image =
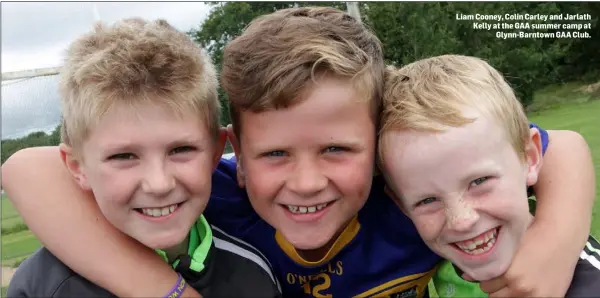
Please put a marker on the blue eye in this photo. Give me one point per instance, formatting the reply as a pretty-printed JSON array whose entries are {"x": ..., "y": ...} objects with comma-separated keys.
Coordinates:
[
  {"x": 479, "y": 181},
  {"x": 335, "y": 149},
  {"x": 427, "y": 201},
  {"x": 275, "y": 153}
]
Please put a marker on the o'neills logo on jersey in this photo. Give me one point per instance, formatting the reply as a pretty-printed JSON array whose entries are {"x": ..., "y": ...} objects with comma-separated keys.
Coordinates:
[
  {"x": 316, "y": 285},
  {"x": 408, "y": 293}
]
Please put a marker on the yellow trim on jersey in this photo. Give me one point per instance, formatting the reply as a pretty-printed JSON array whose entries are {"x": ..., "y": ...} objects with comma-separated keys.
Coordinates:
[
  {"x": 345, "y": 237},
  {"x": 419, "y": 280}
]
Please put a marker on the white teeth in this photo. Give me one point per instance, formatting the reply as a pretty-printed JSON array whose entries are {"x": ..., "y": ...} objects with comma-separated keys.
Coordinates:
[
  {"x": 306, "y": 209},
  {"x": 158, "y": 212},
  {"x": 484, "y": 243}
]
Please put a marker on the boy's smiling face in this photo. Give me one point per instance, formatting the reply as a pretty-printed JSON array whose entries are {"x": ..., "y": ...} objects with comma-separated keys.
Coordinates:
[
  {"x": 465, "y": 190},
  {"x": 308, "y": 168},
  {"x": 150, "y": 171}
]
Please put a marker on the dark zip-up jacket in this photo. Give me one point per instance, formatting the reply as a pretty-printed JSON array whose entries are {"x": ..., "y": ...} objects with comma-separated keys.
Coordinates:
[{"x": 231, "y": 268}]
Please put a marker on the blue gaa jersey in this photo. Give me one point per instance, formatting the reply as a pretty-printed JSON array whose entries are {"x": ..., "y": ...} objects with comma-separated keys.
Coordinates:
[{"x": 378, "y": 254}]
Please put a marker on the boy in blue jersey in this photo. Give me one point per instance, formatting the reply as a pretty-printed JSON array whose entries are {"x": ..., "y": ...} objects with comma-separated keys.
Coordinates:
[
  {"x": 305, "y": 86},
  {"x": 467, "y": 198}
]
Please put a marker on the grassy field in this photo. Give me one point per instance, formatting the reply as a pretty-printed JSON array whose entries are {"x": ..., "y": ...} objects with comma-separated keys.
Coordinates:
[
  {"x": 15, "y": 246},
  {"x": 583, "y": 118}
]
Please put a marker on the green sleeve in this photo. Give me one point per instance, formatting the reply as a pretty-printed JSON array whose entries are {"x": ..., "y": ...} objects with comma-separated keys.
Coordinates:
[{"x": 447, "y": 283}]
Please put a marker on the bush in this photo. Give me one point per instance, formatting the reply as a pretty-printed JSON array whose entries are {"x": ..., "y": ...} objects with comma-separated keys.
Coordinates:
[{"x": 14, "y": 229}]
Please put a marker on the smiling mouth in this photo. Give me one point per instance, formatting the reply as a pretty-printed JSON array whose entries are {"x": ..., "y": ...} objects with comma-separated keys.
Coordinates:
[
  {"x": 480, "y": 244},
  {"x": 158, "y": 212},
  {"x": 306, "y": 209}
]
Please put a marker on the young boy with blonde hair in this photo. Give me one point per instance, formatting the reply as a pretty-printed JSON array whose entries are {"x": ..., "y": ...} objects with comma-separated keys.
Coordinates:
[
  {"x": 141, "y": 131},
  {"x": 467, "y": 198},
  {"x": 305, "y": 88}
]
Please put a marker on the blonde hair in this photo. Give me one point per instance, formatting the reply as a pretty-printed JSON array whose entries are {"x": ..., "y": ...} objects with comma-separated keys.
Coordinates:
[
  {"x": 134, "y": 62},
  {"x": 278, "y": 55},
  {"x": 431, "y": 95}
]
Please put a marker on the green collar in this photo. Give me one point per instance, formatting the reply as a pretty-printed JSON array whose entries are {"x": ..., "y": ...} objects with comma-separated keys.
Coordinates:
[{"x": 200, "y": 241}]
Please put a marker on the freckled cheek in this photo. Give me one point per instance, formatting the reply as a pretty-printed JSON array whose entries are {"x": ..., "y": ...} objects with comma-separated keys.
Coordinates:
[
  {"x": 504, "y": 203},
  {"x": 429, "y": 227}
]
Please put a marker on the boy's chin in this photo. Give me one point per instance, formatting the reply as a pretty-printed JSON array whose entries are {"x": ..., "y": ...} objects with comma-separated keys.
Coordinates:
[
  {"x": 484, "y": 274},
  {"x": 163, "y": 242},
  {"x": 310, "y": 241}
]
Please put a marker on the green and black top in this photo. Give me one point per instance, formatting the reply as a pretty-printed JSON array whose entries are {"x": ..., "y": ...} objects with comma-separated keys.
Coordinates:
[{"x": 217, "y": 265}]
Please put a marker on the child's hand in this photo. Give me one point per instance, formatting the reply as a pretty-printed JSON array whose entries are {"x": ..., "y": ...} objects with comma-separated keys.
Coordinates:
[{"x": 540, "y": 268}]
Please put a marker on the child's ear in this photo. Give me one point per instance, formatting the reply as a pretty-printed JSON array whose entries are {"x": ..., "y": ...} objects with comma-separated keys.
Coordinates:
[
  {"x": 220, "y": 146},
  {"x": 234, "y": 140},
  {"x": 394, "y": 198},
  {"x": 533, "y": 155},
  {"x": 73, "y": 165}
]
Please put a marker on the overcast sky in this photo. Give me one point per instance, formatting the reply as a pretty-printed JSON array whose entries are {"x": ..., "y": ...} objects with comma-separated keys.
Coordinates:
[{"x": 36, "y": 34}]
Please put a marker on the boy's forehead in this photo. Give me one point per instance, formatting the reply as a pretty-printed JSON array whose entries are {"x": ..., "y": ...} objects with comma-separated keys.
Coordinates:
[
  {"x": 125, "y": 119},
  {"x": 479, "y": 142},
  {"x": 332, "y": 101}
]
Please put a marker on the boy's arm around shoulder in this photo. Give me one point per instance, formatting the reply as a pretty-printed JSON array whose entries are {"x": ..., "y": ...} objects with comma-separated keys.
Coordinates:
[
  {"x": 43, "y": 275},
  {"x": 69, "y": 223}
]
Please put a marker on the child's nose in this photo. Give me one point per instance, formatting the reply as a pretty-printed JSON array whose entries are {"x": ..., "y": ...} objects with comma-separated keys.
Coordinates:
[
  {"x": 158, "y": 181},
  {"x": 307, "y": 179},
  {"x": 461, "y": 216}
]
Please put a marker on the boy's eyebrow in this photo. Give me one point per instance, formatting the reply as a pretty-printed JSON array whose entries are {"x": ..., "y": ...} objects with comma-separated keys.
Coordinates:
[
  {"x": 182, "y": 140},
  {"x": 352, "y": 143}
]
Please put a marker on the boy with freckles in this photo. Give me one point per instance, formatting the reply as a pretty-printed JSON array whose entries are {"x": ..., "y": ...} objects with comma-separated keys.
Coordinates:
[
  {"x": 467, "y": 198},
  {"x": 304, "y": 88}
]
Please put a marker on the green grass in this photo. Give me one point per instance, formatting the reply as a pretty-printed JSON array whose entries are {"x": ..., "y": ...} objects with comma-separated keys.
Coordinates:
[
  {"x": 8, "y": 211},
  {"x": 583, "y": 118},
  {"x": 3, "y": 292},
  {"x": 17, "y": 245},
  {"x": 557, "y": 96}
]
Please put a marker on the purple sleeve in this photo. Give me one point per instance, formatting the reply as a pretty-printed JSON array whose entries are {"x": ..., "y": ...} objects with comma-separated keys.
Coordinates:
[
  {"x": 543, "y": 134},
  {"x": 229, "y": 207}
]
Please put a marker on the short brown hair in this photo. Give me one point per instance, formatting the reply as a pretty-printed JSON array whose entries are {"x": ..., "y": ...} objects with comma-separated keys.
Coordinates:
[
  {"x": 431, "y": 95},
  {"x": 269, "y": 65},
  {"x": 132, "y": 62}
]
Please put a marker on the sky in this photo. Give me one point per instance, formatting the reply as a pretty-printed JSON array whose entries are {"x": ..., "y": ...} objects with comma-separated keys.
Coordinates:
[{"x": 36, "y": 34}]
